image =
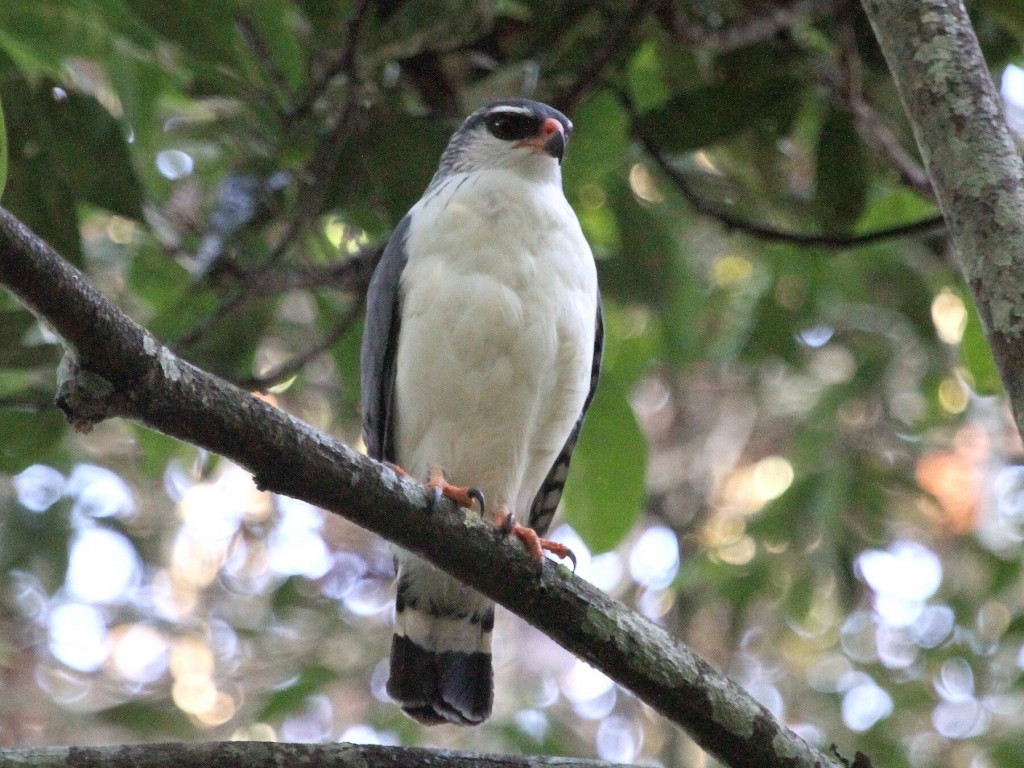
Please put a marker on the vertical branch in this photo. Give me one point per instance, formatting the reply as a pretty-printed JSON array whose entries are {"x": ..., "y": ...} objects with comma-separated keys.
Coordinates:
[{"x": 975, "y": 169}]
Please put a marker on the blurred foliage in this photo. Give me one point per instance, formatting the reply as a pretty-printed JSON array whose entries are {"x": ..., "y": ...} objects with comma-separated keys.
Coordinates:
[
  {"x": 799, "y": 459},
  {"x": 3, "y": 151}
]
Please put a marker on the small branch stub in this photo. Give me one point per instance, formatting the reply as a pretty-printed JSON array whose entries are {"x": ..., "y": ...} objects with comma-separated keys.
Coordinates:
[{"x": 83, "y": 396}]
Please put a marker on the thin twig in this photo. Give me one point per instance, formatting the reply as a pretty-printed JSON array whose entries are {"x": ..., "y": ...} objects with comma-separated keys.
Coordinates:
[
  {"x": 614, "y": 46},
  {"x": 311, "y": 196},
  {"x": 235, "y": 300},
  {"x": 344, "y": 62},
  {"x": 293, "y": 365},
  {"x": 848, "y": 88},
  {"x": 32, "y": 402},
  {"x": 832, "y": 241},
  {"x": 261, "y": 51},
  {"x": 750, "y": 31},
  {"x": 312, "y": 187},
  {"x": 352, "y": 275}
]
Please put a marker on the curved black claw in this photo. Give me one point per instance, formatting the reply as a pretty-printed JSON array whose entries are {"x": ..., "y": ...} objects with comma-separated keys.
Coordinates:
[
  {"x": 572, "y": 558},
  {"x": 478, "y": 496},
  {"x": 507, "y": 524},
  {"x": 435, "y": 498}
]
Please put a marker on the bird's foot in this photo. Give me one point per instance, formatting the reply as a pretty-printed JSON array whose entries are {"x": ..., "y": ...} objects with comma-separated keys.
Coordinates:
[
  {"x": 506, "y": 522},
  {"x": 462, "y": 495}
]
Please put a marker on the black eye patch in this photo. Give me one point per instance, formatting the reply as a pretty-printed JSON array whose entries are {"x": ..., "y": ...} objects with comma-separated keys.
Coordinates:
[{"x": 512, "y": 126}]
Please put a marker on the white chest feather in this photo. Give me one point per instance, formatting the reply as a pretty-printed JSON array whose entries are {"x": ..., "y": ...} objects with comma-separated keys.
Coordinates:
[{"x": 497, "y": 337}]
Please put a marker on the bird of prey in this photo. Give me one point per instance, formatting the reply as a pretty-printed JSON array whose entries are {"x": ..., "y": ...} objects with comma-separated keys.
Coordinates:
[{"x": 480, "y": 356}]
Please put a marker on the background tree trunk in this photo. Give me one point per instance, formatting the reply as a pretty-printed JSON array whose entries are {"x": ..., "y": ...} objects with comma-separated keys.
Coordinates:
[{"x": 975, "y": 167}]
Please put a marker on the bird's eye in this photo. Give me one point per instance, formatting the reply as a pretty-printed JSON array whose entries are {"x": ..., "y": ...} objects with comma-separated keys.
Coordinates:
[{"x": 512, "y": 126}]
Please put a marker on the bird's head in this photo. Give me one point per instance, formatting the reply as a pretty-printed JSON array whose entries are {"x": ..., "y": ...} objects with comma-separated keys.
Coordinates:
[{"x": 523, "y": 136}]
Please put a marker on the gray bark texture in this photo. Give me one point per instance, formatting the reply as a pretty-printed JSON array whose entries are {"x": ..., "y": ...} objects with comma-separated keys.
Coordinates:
[
  {"x": 257, "y": 754},
  {"x": 114, "y": 367},
  {"x": 975, "y": 169}
]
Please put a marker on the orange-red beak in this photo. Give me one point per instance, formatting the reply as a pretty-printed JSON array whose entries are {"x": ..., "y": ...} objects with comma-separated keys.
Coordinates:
[{"x": 550, "y": 139}]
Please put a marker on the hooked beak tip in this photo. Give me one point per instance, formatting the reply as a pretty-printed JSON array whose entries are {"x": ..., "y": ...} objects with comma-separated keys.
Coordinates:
[{"x": 555, "y": 145}]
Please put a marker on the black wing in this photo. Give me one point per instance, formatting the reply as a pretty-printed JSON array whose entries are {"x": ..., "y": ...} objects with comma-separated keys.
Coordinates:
[
  {"x": 546, "y": 501},
  {"x": 380, "y": 347}
]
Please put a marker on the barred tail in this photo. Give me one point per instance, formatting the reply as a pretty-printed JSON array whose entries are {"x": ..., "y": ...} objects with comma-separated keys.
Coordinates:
[{"x": 441, "y": 649}]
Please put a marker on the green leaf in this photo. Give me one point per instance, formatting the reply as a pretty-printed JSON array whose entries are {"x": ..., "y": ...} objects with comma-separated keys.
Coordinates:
[
  {"x": 800, "y": 595},
  {"x": 154, "y": 720},
  {"x": 33, "y": 539},
  {"x": 290, "y": 698},
  {"x": 159, "y": 282},
  {"x": 640, "y": 269},
  {"x": 177, "y": 309},
  {"x": 346, "y": 358},
  {"x": 276, "y": 22},
  {"x": 711, "y": 113},
  {"x": 386, "y": 168},
  {"x": 598, "y": 145},
  {"x": 205, "y": 30},
  {"x": 976, "y": 355},
  {"x": 891, "y": 206},
  {"x": 94, "y": 152},
  {"x": 40, "y": 35},
  {"x": 772, "y": 333},
  {"x": 39, "y": 190},
  {"x": 605, "y": 492},
  {"x": 1011, "y": 14},
  {"x": 226, "y": 349},
  {"x": 842, "y": 176},
  {"x": 15, "y": 325},
  {"x": 646, "y": 78},
  {"x": 29, "y": 438},
  {"x": 157, "y": 449}
]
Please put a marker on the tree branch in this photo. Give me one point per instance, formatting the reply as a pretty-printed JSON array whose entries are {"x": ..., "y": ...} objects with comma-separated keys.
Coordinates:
[
  {"x": 974, "y": 167},
  {"x": 114, "y": 367},
  {"x": 256, "y": 754}
]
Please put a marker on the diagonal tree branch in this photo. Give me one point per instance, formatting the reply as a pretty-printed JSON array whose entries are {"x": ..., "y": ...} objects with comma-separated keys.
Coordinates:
[
  {"x": 114, "y": 367},
  {"x": 975, "y": 169}
]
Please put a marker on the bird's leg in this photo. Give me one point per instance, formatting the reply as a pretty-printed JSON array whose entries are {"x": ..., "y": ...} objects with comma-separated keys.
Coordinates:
[
  {"x": 462, "y": 495},
  {"x": 506, "y": 522}
]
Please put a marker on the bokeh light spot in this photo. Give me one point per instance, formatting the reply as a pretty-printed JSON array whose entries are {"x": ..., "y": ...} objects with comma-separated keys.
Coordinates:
[
  {"x": 78, "y": 636},
  {"x": 38, "y": 487},
  {"x": 864, "y": 705},
  {"x": 902, "y": 577},
  {"x": 654, "y": 558},
  {"x": 194, "y": 693},
  {"x": 103, "y": 567},
  {"x": 174, "y": 164},
  {"x": 949, "y": 314},
  {"x": 731, "y": 271},
  {"x": 98, "y": 492},
  {"x": 141, "y": 652}
]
